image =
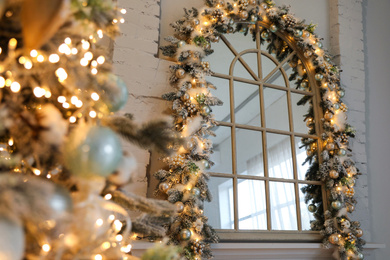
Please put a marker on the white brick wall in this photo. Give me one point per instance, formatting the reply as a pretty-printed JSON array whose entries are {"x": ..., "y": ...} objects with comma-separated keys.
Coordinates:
[{"x": 147, "y": 77}]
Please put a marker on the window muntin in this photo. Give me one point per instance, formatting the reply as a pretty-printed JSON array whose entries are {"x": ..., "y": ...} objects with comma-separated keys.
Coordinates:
[{"x": 261, "y": 148}]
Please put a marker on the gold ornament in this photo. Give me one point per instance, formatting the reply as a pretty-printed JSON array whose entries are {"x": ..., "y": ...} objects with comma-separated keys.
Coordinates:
[
  {"x": 328, "y": 115},
  {"x": 359, "y": 232},
  {"x": 334, "y": 239},
  {"x": 330, "y": 146},
  {"x": 180, "y": 73},
  {"x": 41, "y": 19},
  {"x": 244, "y": 15},
  {"x": 333, "y": 174}
]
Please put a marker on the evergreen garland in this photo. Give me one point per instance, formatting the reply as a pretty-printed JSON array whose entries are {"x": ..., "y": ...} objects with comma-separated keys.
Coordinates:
[{"x": 186, "y": 185}]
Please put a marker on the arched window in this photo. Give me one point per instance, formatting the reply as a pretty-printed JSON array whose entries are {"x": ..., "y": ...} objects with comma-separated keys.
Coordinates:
[{"x": 258, "y": 173}]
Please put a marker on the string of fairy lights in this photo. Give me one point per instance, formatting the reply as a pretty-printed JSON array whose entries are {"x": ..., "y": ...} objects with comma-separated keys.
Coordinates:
[{"x": 184, "y": 184}]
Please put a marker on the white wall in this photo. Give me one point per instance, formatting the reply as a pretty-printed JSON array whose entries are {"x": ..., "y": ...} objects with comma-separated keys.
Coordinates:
[
  {"x": 366, "y": 77},
  {"x": 377, "y": 71}
]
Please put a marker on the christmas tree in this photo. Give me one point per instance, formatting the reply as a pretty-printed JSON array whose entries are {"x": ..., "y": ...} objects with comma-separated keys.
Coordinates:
[{"x": 63, "y": 169}]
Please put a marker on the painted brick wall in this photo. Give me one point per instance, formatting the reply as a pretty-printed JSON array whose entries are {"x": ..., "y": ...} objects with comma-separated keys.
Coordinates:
[
  {"x": 346, "y": 30},
  {"x": 147, "y": 76}
]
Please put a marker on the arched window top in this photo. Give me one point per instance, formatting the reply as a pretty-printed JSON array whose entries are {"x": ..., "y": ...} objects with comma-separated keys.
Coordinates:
[{"x": 314, "y": 76}]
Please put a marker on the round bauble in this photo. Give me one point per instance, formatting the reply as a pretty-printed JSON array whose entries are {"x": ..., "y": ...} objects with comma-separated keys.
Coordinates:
[
  {"x": 60, "y": 201},
  {"x": 265, "y": 35},
  {"x": 308, "y": 54},
  {"x": 328, "y": 115},
  {"x": 334, "y": 239},
  {"x": 342, "y": 152},
  {"x": 185, "y": 234},
  {"x": 195, "y": 22},
  {"x": 185, "y": 97},
  {"x": 319, "y": 76},
  {"x": 180, "y": 73},
  {"x": 298, "y": 33},
  {"x": 273, "y": 28},
  {"x": 206, "y": 164},
  {"x": 11, "y": 240},
  {"x": 333, "y": 174},
  {"x": 117, "y": 97},
  {"x": 206, "y": 110},
  {"x": 336, "y": 205},
  {"x": 304, "y": 84},
  {"x": 253, "y": 18},
  {"x": 244, "y": 15},
  {"x": 312, "y": 208},
  {"x": 164, "y": 186},
  {"x": 189, "y": 145},
  {"x": 305, "y": 34},
  {"x": 359, "y": 232},
  {"x": 320, "y": 45},
  {"x": 336, "y": 106},
  {"x": 359, "y": 256},
  {"x": 341, "y": 93},
  {"x": 181, "y": 44},
  {"x": 195, "y": 191},
  {"x": 330, "y": 146},
  {"x": 179, "y": 206},
  {"x": 252, "y": 2},
  {"x": 350, "y": 208},
  {"x": 93, "y": 151}
]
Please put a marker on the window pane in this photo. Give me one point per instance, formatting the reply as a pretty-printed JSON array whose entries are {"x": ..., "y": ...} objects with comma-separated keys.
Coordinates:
[
  {"x": 279, "y": 156},
  {"x": 301, "y": 157},
  {"x": 276, "y": 111},
  {"x": 220, "y": 211},
  {"x": 298, "y": 113},
  {"x": 247, "y": 103},
  {"x": 221, "y": 59},
  {"x": 283, "y": 206},
  {"x": 221, "y": 113},
  {"x": 252, "y": 213},
  {"x": 222, "y": 146},
  {"x": 280, "y": 76},
  {"x": 306, "y": 215},
  {"x": 249, "y": 152}
]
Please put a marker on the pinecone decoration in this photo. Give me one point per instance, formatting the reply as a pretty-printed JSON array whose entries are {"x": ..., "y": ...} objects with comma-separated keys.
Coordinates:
[
  {"x": 175, "y": 161},
  {"x": 205, "y": 65},
  {"x": 191, "y": 108},
  {"x": 344, "y": 138},
  {"x": 197, "y": 247},
  {"x": 349, "y": 192},
  {"x": 289, "y": 20},
  {"x": 217, "y": 14},
  {"x": 343, "y": 107}
]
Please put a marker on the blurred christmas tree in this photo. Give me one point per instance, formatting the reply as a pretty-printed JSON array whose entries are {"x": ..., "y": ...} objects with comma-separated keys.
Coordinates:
[{"x": 61, "y": 161}]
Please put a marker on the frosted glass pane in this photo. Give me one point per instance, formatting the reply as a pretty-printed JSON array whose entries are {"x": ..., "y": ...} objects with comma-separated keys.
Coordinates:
[{"x": 283, "y": 206}]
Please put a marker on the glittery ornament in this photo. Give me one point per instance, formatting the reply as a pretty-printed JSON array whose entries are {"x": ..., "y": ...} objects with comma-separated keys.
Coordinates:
[
  {"x": 333, "y": 174},
  {"x": 179, "y": 206},
  {"x": 180, "y": 73},
  {"x": 164, "y": 186},
  {"x": 336, "y": 204},
  {"x": 342, "y": 152},
  {"x": 185, "y": 234},
  {"x": 205, "y": 164},
  {"x": 334, "y": 239},
  {"x": 244, "y": 15},
  {"x": 195, "y": 191},
  {"x": 312, "y": 208},
  {"x": 359, "y": 232},
  {"x": 264, "y": 35},
  {"x": 319, "y": 76},
  {"x": 273, "y": 28}
]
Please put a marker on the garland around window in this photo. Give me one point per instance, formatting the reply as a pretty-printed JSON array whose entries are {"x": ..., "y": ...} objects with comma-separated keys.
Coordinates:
[{"x": 185, "y": 182}]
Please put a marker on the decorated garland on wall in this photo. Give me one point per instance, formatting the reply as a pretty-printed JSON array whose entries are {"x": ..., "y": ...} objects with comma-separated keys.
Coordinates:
[{"x": 185, "y": 183}]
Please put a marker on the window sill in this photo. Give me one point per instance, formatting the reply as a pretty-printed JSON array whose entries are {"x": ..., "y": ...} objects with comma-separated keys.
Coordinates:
[{"x": 253, "y": 251}]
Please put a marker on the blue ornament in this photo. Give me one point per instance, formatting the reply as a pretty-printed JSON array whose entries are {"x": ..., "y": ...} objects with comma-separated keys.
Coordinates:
[
  {"x": 98, "y": 153},
  {"x": 117, "y": 98}
]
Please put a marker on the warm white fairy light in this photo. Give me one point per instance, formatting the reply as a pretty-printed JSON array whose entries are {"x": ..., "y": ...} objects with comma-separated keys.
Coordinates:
[
  {"x": 72, "y": 119},
  {"x": 95, "y": 96},
  {"x": 39, "y": 92},
  {"x": 84, "y": 62},
  {"x": 64, "y": 48},
  {"x": 34, "y": 53},
  {"x": 11, "y": 142},
  {"x": 66, "y": 105},
  {"x": 88, "y": 55},
  {"x": 114, "y": 21},
  {"x": 126, "y": 249},
  {"x": 94, "y": 63},
  {"x": 68, "y": 40},
  {"x": 100, "y": 33},
  {"x": 99, "y": 222},
  {"x": 8, "y": 82},
  {"x": 108, "y": 196},
  {"x": 93, "y": 114},
  {"x": 73, "y": 100},
  {"x": 118, "y": 225},
  {"x": 122, "y": 20},
  {"x": 101, "y": 60},
  {"x": 61, "y": 74},
  {"x": 15, "y": 87},
  {"x": 111, "y": 217},
  {"x": 123, "y": 11},
  {"x": 2, "y": 82},
  {"x": 61, "y": 99},
  {"x": 119, "y": 238},
  {"x": 47, "y": 94},
  {"x": 85, "y": 44},
  {"x": 94, "y": 71},
  {"x": 54, "y": 58},
  {"x": 36, "y": 172},
  {"x": 46, "y": 248},
  {"x": 1, "y": 50},
  {"x": 98, "y": 257},
  {"x": 79, "y": 103},
  {"x": 12, "y": 43},
  {"x": 74, "y": 51},
  {"x": 22, "y": 59},
  {"x": 40, "y": 58},
  {"x": 28, "y": 64},
  {"x": 106, "y": 245}
]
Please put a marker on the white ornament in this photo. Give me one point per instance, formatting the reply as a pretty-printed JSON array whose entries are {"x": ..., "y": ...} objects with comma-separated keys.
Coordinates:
[{"x": 11, "y": 240}]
